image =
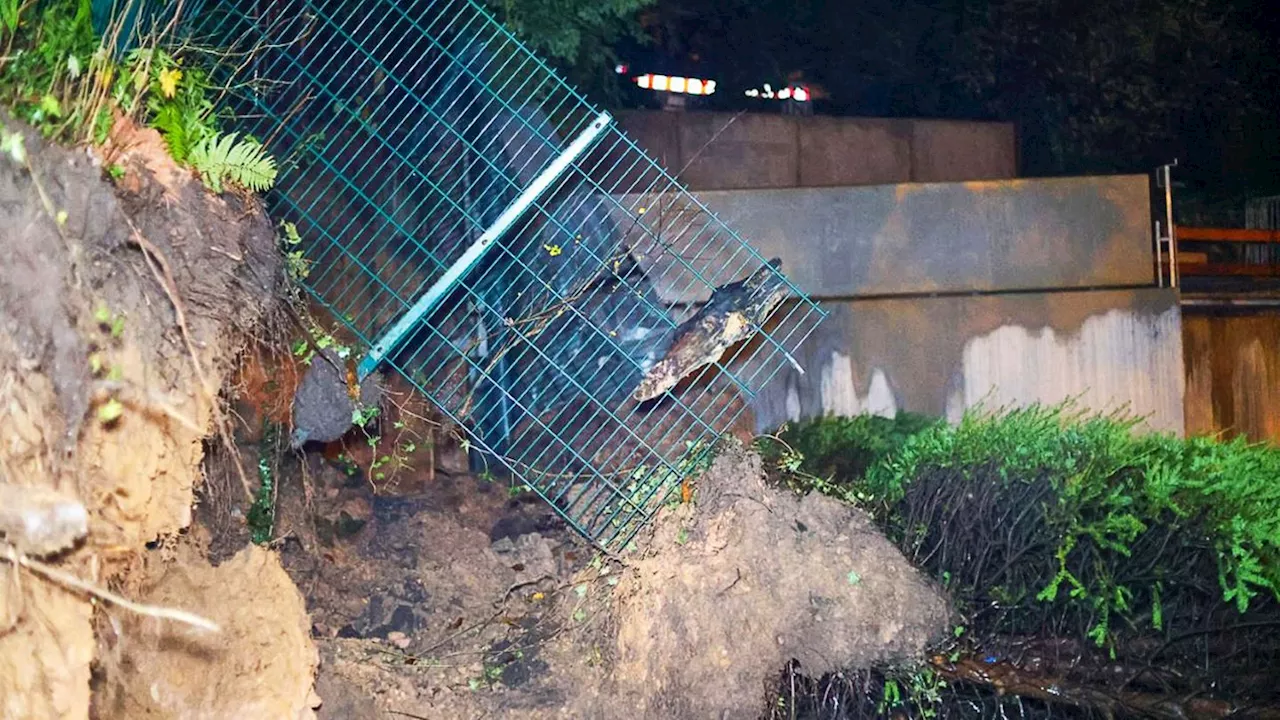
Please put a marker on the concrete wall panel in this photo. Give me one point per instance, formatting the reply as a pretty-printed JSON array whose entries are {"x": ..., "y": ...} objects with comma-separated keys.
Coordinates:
[
  {"x": 926, "y": 238},
  {"x": 782, "y": 151},
  {"x": 1112, "y": 349},
  {"x": 948, "y": 151},
  {"x": 841, "y": 151}
]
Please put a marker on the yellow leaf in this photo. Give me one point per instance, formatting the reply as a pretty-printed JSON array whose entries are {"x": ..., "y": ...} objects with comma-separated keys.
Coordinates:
[
  {"x": 110, "y": 411},
  {"x": 552, "y": 250},
  {"x": 169, "y": 81}
]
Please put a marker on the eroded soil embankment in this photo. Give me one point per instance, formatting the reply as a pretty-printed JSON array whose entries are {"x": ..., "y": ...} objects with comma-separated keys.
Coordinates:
[{"x": 122, "y": 307}]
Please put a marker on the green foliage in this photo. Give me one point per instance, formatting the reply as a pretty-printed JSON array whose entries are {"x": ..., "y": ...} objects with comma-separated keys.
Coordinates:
[
  {"x": 578, "y": 34},
  {"x": 43, "y": 69},
  {"x": 569, "y": 29},
  {"x": 178, "y": 102},
  {"x": 841, "y": 446},
  {"x": 1112, "y": 485},
  {"x": 297, "y": 266},
  {"x": 917, "y": 690},
  {"x": 223, "y": 158},
  {"x": 1101, "y": 499},
  {"x": 9, "y": 12},
  {"x": 261, "y": 517},
  {"x": 62, "y": 80}
]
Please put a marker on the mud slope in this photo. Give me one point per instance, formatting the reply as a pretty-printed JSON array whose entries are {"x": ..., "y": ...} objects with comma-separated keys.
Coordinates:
[
  {"x": 111, "y": 362},
  {"x": 437, "y": 609}
]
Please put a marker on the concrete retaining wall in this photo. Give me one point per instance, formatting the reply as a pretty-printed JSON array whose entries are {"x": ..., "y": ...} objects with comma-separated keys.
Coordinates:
[
  {"x": 943, "y": 296},
  {"x": 989, "y": 236},
  {"x": 779, "y": 151},
  {"x": 1110, "y": 349}
]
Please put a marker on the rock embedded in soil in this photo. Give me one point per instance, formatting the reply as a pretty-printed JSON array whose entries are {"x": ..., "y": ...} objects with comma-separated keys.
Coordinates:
[
  {"x": 40, "y": 521},
  {"x": 323, "y": 409}
]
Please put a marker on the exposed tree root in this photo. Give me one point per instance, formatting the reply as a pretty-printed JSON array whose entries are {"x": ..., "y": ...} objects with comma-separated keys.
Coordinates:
[
  {"x": 73, "y": 583},
  {"x": 1006, "y": 678}
]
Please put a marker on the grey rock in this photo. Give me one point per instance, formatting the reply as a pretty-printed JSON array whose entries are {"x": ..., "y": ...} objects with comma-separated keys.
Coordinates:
[{"x": 322, "y": 406}]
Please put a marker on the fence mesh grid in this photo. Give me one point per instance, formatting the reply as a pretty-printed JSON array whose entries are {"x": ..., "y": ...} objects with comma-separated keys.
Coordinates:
[{"x": 498, "y": 241}]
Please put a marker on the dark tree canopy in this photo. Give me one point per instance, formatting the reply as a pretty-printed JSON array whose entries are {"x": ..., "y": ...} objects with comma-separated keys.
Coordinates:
[
  {"x": 1099, "y": 87},
  {"x": 578, "y": 35}
]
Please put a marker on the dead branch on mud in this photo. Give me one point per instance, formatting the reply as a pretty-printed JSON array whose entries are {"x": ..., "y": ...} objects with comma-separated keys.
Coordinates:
[
  {"x": 1007, "y": 678},
  {"x": 72, "y": 583}
]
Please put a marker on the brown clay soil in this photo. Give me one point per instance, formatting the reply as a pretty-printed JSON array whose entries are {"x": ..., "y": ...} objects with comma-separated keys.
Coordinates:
[
  {"x": 87, "y": 319},
  {"x": 456, "y": 598},
  {"x": 396, "y": 583}
]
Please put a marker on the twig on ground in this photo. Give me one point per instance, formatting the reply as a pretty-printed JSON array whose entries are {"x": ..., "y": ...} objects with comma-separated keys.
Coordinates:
[{"x": 71, "y": 582}]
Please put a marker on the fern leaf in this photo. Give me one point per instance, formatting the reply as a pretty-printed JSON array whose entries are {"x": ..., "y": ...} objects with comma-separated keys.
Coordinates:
[
  {"x": 220, "y": 158},
  {"x": 248, "y": 164}
]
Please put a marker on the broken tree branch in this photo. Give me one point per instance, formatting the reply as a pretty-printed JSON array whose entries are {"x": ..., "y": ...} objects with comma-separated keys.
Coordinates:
[{"x": 71, "y": 582}]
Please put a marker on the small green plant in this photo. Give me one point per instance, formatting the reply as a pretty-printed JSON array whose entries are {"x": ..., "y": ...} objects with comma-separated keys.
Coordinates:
[
  {"x": 177, "y": 99},
  {"x": 13, "y": 145},
  {"x": 110, "y": 411},
  {"x": 320, "y": 339},
  {"x": 111, "y": 328},
  {"x": 363, "y": 415},
  {"x": 262, "y": 512},
  {"x": 297, "y": 266},
  {"x": 918, "y": 689},
  {"x": 229, "y": 158},
  {"x": 347, "y": 464},
  {"x": 112, "y": 323}
]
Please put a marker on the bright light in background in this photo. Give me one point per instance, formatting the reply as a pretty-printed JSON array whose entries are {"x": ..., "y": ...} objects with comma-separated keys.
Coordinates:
[
  {"x": 799, "y": 93},
  {"x": 621, "y": 68},
  {"x": 682, "y": 85}
]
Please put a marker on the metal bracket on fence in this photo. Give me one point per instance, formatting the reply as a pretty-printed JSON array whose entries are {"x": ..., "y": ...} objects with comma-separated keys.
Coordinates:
[
  {"x": 392, "y": 338},
  {"x": 1164, "y": 179}
]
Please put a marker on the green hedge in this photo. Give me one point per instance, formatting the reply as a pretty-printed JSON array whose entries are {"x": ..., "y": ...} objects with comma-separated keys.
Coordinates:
[{"x": 1052, "y": 506}]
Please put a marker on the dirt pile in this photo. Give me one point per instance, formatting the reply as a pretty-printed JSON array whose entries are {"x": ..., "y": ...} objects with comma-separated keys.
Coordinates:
[
  {"x": 749, "y": 578},
  {"x": 458, "y": 602},
  {"x": 260, "y": 665},
  {"x": 122, "y": 307}
]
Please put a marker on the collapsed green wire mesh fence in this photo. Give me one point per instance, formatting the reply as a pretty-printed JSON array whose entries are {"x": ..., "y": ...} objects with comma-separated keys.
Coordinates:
[{"x": 497, "y": 241}]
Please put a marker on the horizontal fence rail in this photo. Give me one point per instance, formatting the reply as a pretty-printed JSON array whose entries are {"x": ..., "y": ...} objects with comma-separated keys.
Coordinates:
[
  {"x": 498, "y": 242},
  {"x": 1196, "y": 260}
]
